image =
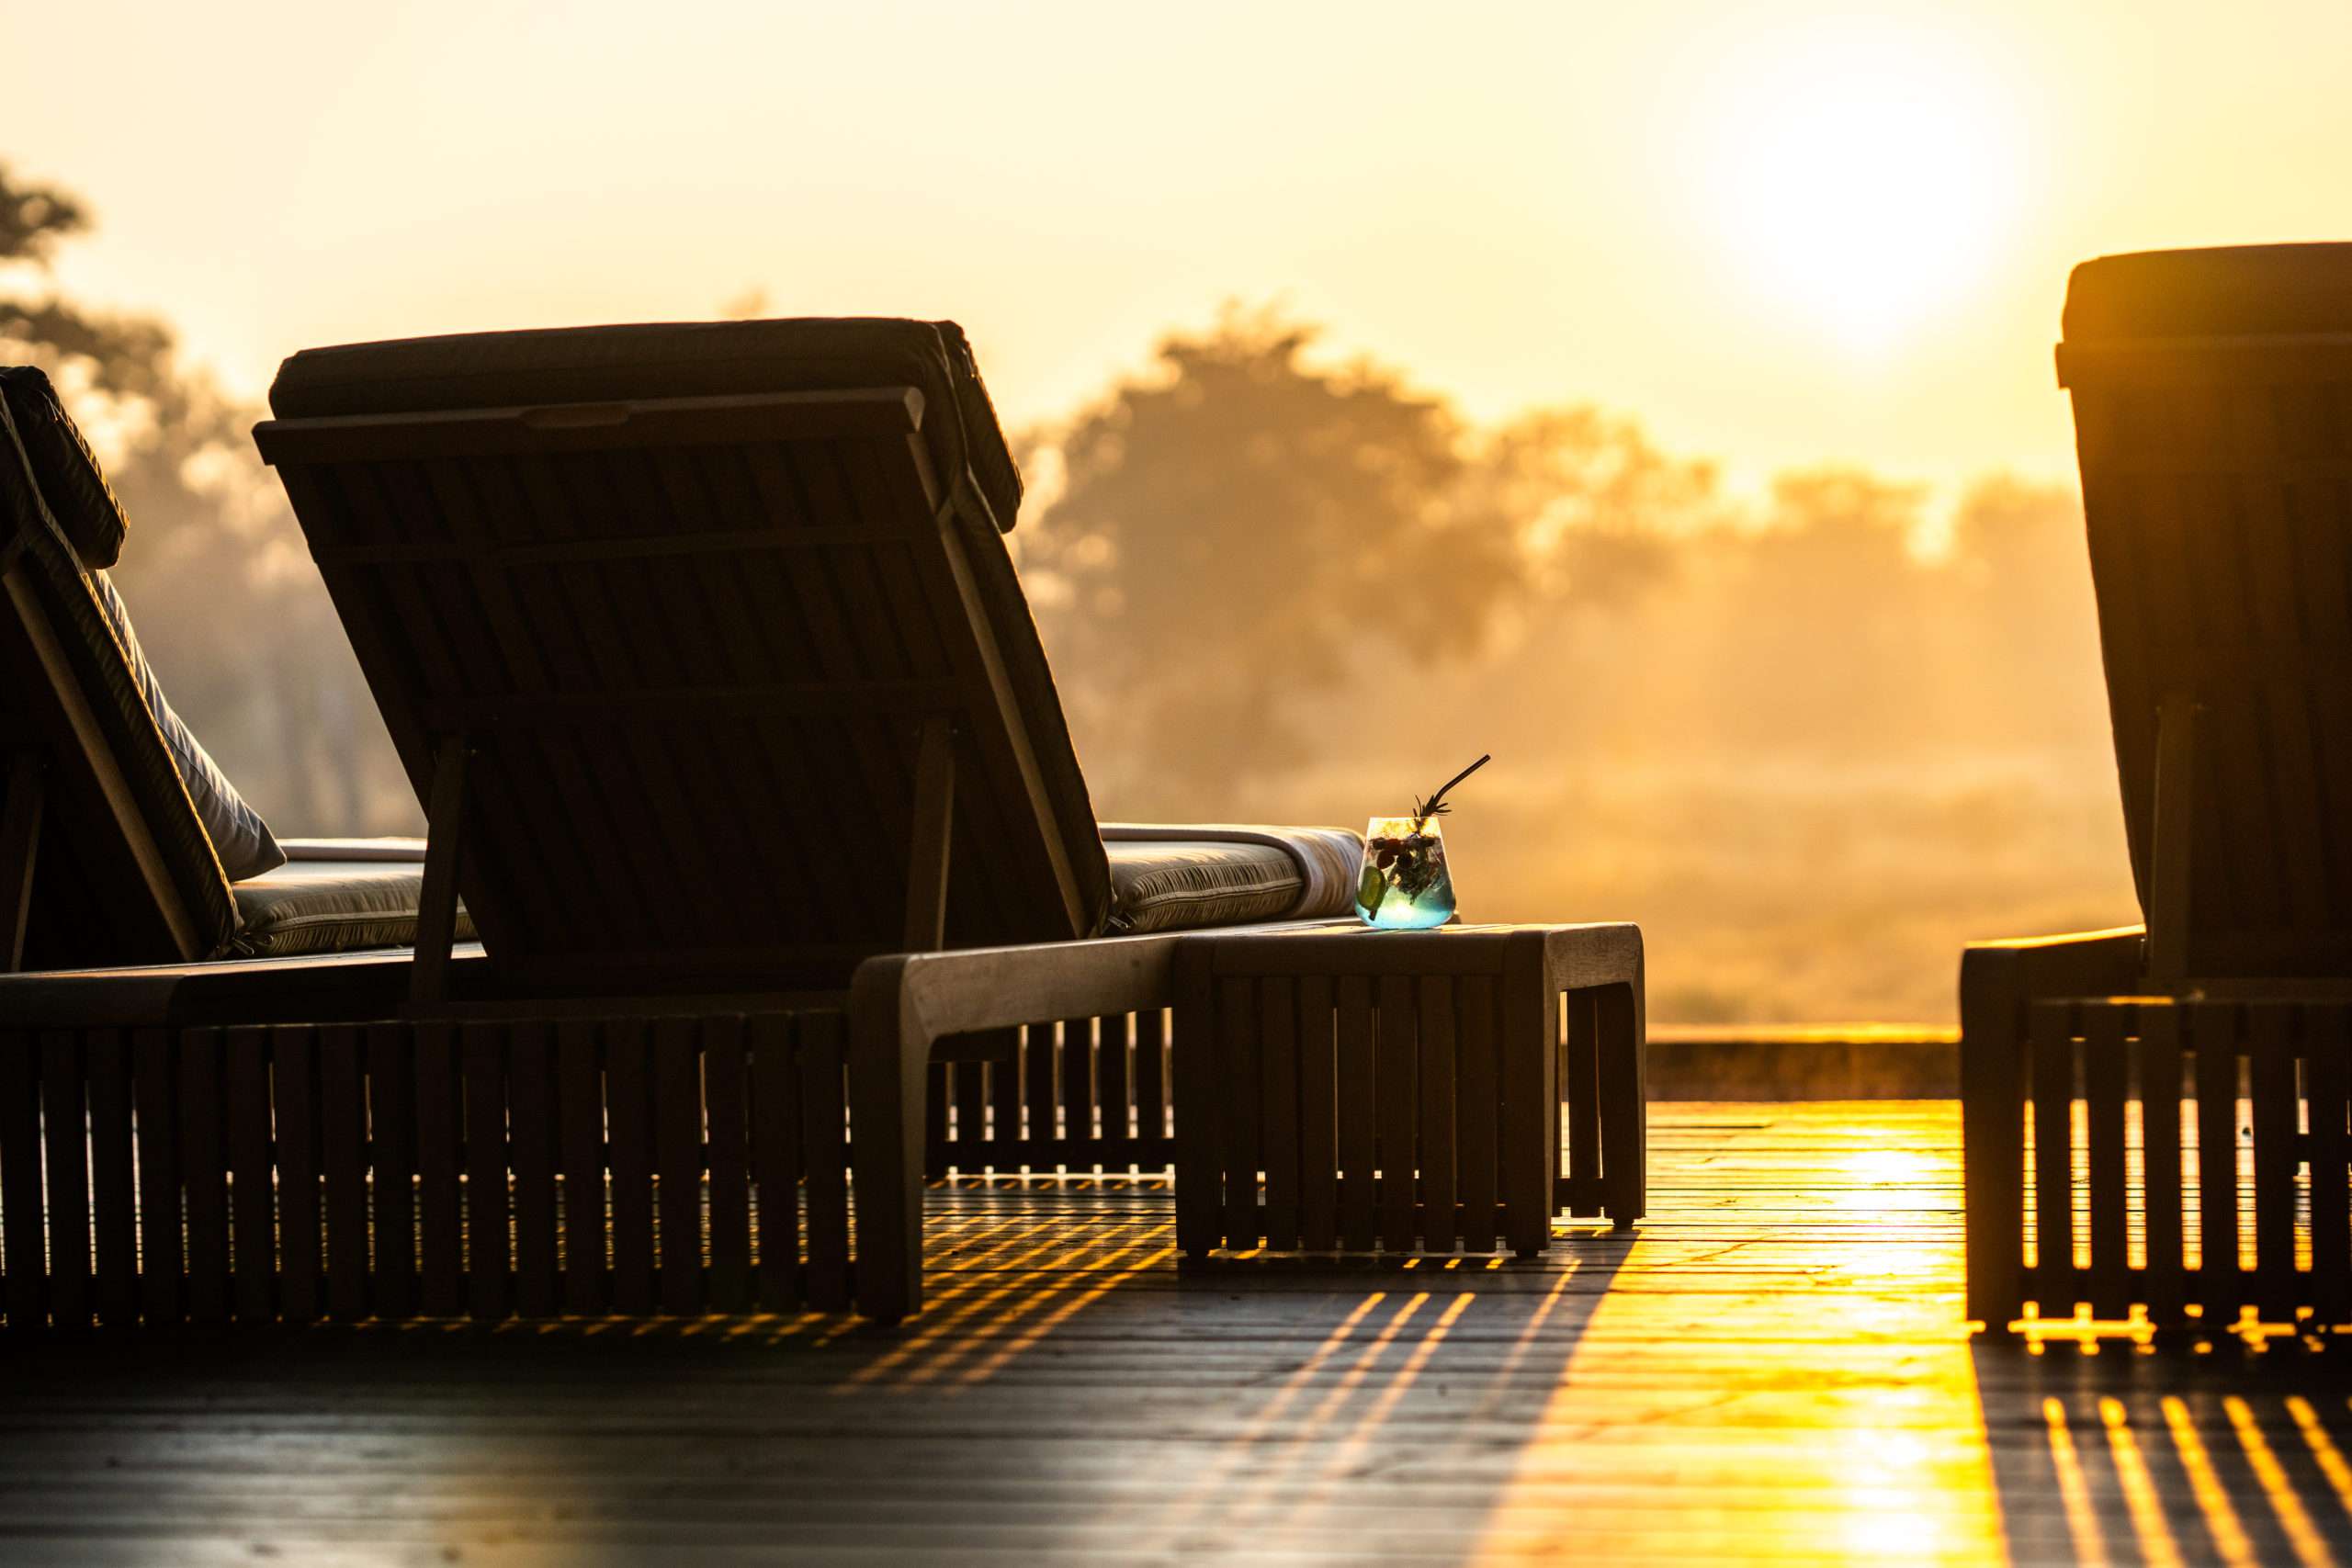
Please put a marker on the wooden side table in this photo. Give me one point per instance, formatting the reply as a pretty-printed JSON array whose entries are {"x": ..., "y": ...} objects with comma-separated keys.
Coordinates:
[{"x": 1411, "y": 1090}]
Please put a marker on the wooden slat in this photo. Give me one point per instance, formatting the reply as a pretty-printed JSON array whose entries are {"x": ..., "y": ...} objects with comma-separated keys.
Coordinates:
[
  {"x": 969, "y": 1152},
  {"x": 1114, "y": 1090},
  {"x": 2213, "y": 1031},
  {"x": 114, "y": 1209},
  {"x": 774, "y": 1133},
  {"x": 1477, "y": 1114},
  {"x": 533, "y": 1154},
  {"x": 1193, "y": 1062},
  {"x": 1531, "y": 1115},
  {"x": 1438, "y": 1070},
  {"x": 1318, "y": 1116},
  {"x": 1396, "y": 1082},
  {"x": 490, "y": 1278},
  {"x": 65, "y": 1147},
  {"x": 294, "y": 1084},
  {"x": 579, "y": 1115},
  {"x": 343, "y": 1160},
  {"x": 254, "y": 1207},
  {"x": 22, "y": 1208},
  {"x": 1278, "y": 1069},
  {"x": 2160, "y": 1085},
  {"x": 2051, "y": 1032},
  {"x": 678, "y": 1137},
  {"x": 938, "y": 1088},
  {"x": 163, "y": 1260},
  {"x": 1580, "y": 1098},
  {"x": 2277, "y": 1153},
  {"x": 1040, "y": 1081},
  {"x": 1151, "y": 1083},
  {"x": 1076, "y": 1145},
  {"x": 1004, "y": 1105},
  {"x": 1240, "y": 1098},
  {"x": 392, "y": 1114},
  {"x": 440, "y": 1210},
  {"x": 2106, "y": 1076},
  {"x": 2327, "y": 1067},
  {"x": 628, "y": 1119},
  {"x": 1624, "y": 1105},
  {"x": 726, "y": 1099},
  {"x": 824, "y": 1098},
  {"x": 204, "y": 1171},
  {"x": 1359, "y": 1128}
]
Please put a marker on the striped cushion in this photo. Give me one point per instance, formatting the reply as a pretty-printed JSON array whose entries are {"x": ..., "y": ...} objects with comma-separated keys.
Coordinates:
[
  {"x": 335, "y": 895},
  {"x": 1189, "y": 877}
]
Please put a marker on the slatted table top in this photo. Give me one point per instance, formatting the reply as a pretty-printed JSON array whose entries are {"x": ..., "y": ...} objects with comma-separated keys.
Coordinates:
[{"x": 1771, "y": 1370}]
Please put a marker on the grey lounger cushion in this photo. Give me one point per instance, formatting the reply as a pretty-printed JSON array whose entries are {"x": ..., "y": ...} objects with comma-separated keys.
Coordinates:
[
  {"x": 1187, "y": 877},
  {"x": 239, "y": 836},
  {"x": 334, "y": 896}
]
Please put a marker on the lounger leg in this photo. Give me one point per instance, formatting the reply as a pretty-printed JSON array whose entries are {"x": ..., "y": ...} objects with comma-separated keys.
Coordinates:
[
  {"x": 19, "y": 846},
  {"x": 1623, "y": 1164},
  {"x": 889, "y": 1058},
  {"x": 934, "y": 825},
  {"x": 436, "y": 906}
]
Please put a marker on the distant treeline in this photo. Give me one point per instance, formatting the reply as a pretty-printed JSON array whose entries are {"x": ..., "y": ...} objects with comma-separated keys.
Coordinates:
[{"x": 1813, "y": 742}]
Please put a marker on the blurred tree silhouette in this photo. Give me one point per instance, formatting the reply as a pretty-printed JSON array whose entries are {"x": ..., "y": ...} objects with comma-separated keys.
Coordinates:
[
  {"x": 1242, "y": 534},
  {"x": 228, "y": 605},
  {"x": 1230, "y": 528}
]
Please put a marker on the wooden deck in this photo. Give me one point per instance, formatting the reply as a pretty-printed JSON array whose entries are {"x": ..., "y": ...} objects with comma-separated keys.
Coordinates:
[{"x": 1771, "y": 1370}]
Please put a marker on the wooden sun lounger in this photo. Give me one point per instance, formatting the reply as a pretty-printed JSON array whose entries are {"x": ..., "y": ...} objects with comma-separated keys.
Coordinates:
[
  {"x": 2212, "y": 394},
  {"x": 704, "y": 649}
]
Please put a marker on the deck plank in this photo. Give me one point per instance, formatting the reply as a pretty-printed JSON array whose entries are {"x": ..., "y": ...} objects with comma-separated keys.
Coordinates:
[{"x": 1769, "y": 1369}]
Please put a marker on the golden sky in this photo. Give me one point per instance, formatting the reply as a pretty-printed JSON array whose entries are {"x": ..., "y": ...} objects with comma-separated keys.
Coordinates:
[{"x": 1778, "y": 234}]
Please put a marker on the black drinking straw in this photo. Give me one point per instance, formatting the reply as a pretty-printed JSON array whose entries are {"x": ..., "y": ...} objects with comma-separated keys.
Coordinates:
[{"x": 1423, "y": 813}]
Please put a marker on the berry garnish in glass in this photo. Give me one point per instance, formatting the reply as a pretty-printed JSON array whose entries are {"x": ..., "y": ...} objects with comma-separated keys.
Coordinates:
[{"x": 1404, "y": 885}]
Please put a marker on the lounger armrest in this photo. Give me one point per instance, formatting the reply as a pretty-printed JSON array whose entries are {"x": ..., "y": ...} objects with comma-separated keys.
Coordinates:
[{"x": 1997, "y": 979}]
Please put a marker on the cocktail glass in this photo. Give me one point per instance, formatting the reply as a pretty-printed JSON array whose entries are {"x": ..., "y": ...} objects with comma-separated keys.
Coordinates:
[{"x": 1404, "y": 886}]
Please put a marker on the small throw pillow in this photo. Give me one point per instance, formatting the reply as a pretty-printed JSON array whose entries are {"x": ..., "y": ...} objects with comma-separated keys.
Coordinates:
[
  {"x": 65, "y": 467},
  {"x": 240, "y": 837}
]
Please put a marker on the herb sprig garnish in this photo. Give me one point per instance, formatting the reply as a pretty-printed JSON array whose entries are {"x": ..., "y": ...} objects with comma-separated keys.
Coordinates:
[{"x": 1435, "y": 805}]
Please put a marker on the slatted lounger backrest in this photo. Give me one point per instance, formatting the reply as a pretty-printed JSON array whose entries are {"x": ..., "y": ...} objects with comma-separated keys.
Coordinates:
[
  {"x": 2212, "y": 394},
  {"x": 689, "y": 617}
]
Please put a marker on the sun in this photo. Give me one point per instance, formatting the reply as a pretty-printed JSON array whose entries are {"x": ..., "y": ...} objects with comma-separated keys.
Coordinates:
[{"x": 1863, "y": 185}]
